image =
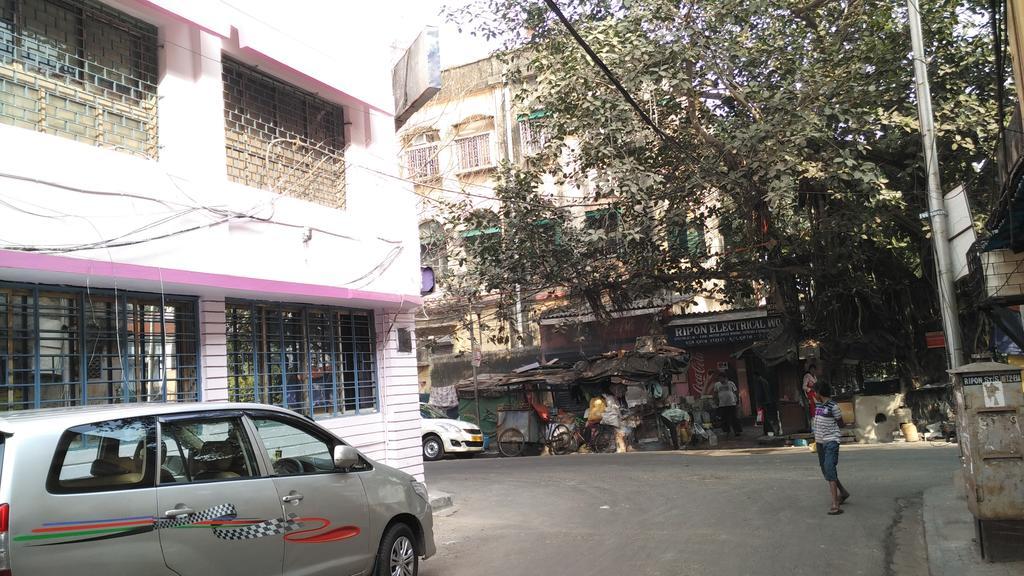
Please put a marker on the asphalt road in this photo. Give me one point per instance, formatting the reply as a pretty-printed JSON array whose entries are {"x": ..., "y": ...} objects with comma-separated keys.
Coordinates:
[{"x": 677, "y": 514}]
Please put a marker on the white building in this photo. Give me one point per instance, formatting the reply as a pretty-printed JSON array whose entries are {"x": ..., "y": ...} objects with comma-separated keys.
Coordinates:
[{"x": 199, "y": 202}]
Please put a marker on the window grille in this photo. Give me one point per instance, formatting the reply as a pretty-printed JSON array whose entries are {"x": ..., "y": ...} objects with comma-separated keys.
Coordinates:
[
  {"x": 421, "y": 162},
  {"x": 315, "y": 360},
  {"x": 79, "y": 70},
  {"x": 281, "y": 138},
  {"x": 474, "y": 151},
  {"x": 532, "y": 137},
  {"x": 70, "y": 346}
]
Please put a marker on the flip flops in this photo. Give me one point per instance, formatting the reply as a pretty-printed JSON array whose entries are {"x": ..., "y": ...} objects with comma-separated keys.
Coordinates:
[{"x": 835, "y": 512}]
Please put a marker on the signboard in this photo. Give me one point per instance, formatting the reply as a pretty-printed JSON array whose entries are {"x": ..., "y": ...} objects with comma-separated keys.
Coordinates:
[
  {"x": 722, "y": 332},
  {"x": 417, "y": 75},
  {"x": 960, "y": 229},
  {"x": 935, "y": 339},
  {"x": 982, "y": 379}
]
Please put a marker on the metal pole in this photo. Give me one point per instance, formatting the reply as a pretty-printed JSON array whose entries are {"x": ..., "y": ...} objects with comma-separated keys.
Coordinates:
[
  {"x": 476, "y": 384},
  {"x": 936, "y": 204}
]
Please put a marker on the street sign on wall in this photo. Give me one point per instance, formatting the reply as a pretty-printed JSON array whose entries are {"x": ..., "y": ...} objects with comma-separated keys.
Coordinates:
[{"x": 722, "y": 332}]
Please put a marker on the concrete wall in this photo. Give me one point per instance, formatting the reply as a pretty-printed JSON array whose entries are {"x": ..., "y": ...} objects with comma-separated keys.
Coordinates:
[
  {"x": 867, "y": 408},
  {"x": 1004, "y": 273},
  {"x": 221, "y": 239}
]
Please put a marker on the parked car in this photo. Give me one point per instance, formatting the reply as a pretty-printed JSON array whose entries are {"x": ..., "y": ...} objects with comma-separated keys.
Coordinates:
[
  {"x": 442, "y": 435},
  {"x": 199, "y": 489}
]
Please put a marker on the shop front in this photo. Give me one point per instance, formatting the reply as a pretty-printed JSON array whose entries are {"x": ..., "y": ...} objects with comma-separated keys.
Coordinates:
[{"x": 716, "y": 341}]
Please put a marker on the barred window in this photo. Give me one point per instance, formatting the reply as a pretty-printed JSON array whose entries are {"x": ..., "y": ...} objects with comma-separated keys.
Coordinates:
[
  {"x": 421, "y": 162},
  {"x": 474, "y": 151},
  {"x": 320, "y": 361},
  {"x": 421, "y": 156},
  {"x": 532, "y": 136},
  {"x": 67, "y": 347},
  {"x": 281, "y": 138},
  {"x": 79, "y": 70}
]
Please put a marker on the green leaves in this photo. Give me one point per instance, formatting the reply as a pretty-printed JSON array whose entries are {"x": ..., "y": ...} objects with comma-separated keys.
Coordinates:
[{"x": 797, "y": 142}]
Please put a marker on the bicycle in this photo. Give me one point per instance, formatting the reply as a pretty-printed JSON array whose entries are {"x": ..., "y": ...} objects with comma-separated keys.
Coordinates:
[
  {"x": 556, "y": 437},
  {"x": 602, "y": 437}
]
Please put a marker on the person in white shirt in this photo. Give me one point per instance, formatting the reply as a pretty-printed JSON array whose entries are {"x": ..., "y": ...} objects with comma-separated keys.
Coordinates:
[
  {"x": 828, "y": 419},
  {"x": 728, "y": 397}
]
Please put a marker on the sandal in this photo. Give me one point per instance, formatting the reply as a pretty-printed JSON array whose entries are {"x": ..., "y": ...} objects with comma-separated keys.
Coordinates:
[
  {"x": 835, "y": 512},
  {"x": 843, "y": 499}
]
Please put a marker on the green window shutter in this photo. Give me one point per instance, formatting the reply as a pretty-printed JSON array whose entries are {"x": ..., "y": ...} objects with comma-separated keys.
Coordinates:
[{"x": 695, "y": 243}]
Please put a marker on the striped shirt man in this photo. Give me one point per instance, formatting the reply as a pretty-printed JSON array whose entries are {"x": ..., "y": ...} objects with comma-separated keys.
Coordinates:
[{"x": 827, "y": 420}]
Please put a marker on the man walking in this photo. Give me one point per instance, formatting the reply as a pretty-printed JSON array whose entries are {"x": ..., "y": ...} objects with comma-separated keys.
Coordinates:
[
  {"x": 727, "y": 394},
  {"x": 828, "y": 418}
]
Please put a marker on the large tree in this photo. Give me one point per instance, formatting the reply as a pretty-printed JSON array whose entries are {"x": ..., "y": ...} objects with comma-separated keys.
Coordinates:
[{"x": 790, "y": 126}]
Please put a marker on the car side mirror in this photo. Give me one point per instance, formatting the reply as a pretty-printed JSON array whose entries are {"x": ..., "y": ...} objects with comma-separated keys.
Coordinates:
[{"x": 345, "y": 457}]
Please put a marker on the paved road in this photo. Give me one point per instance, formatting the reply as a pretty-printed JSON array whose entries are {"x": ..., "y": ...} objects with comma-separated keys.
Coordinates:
[{"x": 678, "y": 514}]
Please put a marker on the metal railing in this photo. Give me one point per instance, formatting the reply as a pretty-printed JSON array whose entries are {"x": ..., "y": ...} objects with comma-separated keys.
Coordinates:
[
  {"x": 47, "y": 89},
  {"x": 282, "y": 138}
]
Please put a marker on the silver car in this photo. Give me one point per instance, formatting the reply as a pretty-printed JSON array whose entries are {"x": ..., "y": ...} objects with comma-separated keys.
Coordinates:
[{"x": 199, "y": 489}]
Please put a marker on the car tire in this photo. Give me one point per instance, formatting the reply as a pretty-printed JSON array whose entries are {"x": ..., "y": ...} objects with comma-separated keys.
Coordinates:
[
  {"x": 433, "y": 448},
  {"x": 397, "y": 554}
]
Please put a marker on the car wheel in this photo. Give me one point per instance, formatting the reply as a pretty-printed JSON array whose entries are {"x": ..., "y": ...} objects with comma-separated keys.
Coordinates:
[
  {"x": 397, "y": 555},
  {"x": 433, "y": 448}
]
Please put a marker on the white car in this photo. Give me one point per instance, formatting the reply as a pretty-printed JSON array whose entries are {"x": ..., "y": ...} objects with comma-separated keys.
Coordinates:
[{"x": 442, "y": 435}]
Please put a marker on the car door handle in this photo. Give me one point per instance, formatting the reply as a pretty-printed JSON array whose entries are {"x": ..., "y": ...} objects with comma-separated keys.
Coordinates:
[
  {"x": 293, "y": 497},
  {"x": 179, "y": 511}
]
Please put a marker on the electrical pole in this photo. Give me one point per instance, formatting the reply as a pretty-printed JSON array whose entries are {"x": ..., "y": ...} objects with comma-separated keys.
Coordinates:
[
  {"x": 476, "y": 364},
  {"x": 936, "y": 204}
]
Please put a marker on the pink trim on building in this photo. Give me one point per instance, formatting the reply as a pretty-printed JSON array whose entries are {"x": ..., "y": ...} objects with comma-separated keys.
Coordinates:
[{"x": 30, "y": 261}]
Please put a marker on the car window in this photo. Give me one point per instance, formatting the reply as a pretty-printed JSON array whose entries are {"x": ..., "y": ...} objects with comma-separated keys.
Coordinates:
[
  {"x": 109, "y": 455},
  {"x": 293, "y": 451},
  {"x": 429, "y": 412},
  {"x": 205, "y": 450}
]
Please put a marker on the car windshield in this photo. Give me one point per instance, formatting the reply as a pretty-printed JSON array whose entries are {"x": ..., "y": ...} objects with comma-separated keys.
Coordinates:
[{"x": 430, "y": 412}]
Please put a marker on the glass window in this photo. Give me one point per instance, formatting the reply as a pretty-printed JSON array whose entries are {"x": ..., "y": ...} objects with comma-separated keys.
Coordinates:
[
  {"x": 204, "y": 450},
  {"x": 109, "y": 455},
  {"x": 474, "y": 151},
  {"x": 532, "y": 136},
  {"x": 79, "y": 70},
  {"x": 431, "y": 413},
  {"x": 67, "y": 347},
  {"x": 282, "y": 138},
  {"x": 315, "y": 360},
  {"x": 294, "y": 451},
  {"x": 421, "y": 160}
]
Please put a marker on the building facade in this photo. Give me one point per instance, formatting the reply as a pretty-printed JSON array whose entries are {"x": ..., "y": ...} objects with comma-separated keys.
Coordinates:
[
  {"x": 199, "y": 202},
  {"x": 452, "y": 148}
]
